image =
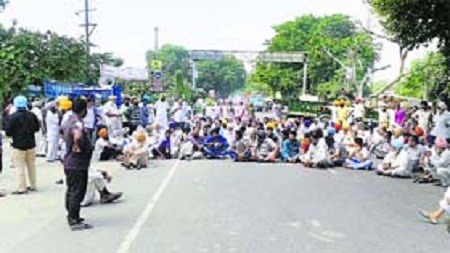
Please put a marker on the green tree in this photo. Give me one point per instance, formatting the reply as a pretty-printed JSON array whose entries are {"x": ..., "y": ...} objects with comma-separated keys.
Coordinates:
[
  {"x": 175, "y": 59},
  {"x": 416, "y": 23},
  {"x": 426, "y": 78},
  {"x": 330, "y": 41},
  {"x": 224, "y": 76},
  {"x": 28, "y": 57}
]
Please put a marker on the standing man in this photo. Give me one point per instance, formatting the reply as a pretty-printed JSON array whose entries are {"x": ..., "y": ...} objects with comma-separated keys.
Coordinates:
[
  {"x": 113, "y": 115},
  {"x": 41, "y": 141},
  {"x": 133, "y": 115},
  {"x": 22, "y": 127},
  {"x": 52, "y": 123},
  {"x": 161, "y": 113},
  {"x": 76, "y": 164}
]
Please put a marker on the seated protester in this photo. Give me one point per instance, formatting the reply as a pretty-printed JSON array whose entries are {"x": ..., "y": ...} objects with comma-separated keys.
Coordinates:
[
  {"x": 329, "y": 140},
  {"x": 382, "y": 149},
  {"x": 415, "y": 152},
  {"x": 290, "y": 149},
  {"x": 253, "y": 141},
  {"x": 340, "y": 154},
  {"x": 359, "y": 158},
  {"x": 104, "y": 149},
  {"x": 444, "y": 207},
  {"x": 97, "y": 182},
  {"x": 375, "y": 138},
  {"x": 396, "y": 163},
  {"x": 241, "y": 148},
  {"x": 267, "y": 148},
  {"x": 162, "y": 150},
  {"x": 229, "y": 133},
  {"x": 136, "y": 154},
  {"x": 272, "y": 156},
  {"x": 216, "y": 146},
  {"x": 317, "y": 155},
  {"x": 192, "y": 145},
  {"x": 175, "y": 139},
  {"x": 436, "y": 163},
  {"x": 305, "y": 143},
  {"x": 397, "y": 135}
]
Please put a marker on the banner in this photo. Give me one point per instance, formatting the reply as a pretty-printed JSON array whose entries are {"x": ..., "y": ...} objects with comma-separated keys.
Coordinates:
[{"x": 128, "y": 74}]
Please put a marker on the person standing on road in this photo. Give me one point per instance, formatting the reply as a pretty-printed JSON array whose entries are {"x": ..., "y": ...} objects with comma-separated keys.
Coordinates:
[
  {"x": 52, "y": 123},
  {"x": 22, "y": 127},
  {"x": 161, "y": 113},
  {"x": 133, "y": 115},
  {"x": 76, "y": 164},
  {"x": 113, "y": 115}
]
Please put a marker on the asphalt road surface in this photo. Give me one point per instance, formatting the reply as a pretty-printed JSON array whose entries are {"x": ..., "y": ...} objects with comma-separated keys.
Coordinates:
[{"x": 222, "y": 206}]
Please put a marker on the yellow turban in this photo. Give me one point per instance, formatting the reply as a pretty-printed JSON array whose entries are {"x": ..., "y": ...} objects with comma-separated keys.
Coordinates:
[{"x": 65, "y": 104}]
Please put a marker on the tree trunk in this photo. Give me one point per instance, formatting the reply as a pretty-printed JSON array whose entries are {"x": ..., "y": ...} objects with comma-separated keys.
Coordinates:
[{"x": 403, "y": 55}]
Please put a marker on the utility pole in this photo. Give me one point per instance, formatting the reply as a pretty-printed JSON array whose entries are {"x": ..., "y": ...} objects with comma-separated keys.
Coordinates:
[
  {"x": 88, "y": 32},
  {"x": 156, "y": 41}
]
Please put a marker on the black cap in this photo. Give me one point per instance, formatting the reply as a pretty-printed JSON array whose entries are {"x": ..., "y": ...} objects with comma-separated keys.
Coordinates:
[{"x": 79, "y": 106}]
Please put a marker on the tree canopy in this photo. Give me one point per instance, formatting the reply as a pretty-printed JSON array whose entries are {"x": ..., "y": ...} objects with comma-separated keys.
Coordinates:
[
  {"x": 225, "y": 75},
  {"x": 415, "y": 23},
  {"x": 29, "y": 57},
  {"x": 323, "y": 38},
  {"x": 426, "y": 79}
]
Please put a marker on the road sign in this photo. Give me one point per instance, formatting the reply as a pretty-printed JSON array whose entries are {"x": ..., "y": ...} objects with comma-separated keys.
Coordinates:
[{"x": 156, "y": 65}]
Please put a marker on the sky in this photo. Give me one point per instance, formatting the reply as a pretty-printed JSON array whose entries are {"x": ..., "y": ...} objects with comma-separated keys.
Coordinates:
[{"x": 126, "y": 28}]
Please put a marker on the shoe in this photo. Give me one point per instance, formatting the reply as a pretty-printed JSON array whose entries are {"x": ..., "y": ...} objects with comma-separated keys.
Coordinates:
[
  {"x": 128, "y": 167},
  {"x": 31, "y": 189},
  {"x": 61, "y": 181},
  {"x": 86, "y": 205},
  {"x": 19, "y": 192},
  {"x": 109, "y": 198},
  {"x": 80, "y": 226}
]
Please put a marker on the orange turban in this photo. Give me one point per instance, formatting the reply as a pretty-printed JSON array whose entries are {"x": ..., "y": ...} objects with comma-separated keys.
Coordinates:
[{"x": 103, "y": 133}]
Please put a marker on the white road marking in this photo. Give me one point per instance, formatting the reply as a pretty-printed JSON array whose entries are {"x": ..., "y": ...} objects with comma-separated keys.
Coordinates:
[{"x": 134, "y": 232}]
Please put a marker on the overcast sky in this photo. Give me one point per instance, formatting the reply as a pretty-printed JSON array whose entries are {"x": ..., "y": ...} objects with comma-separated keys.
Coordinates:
[{"x": 126, "y": 27}]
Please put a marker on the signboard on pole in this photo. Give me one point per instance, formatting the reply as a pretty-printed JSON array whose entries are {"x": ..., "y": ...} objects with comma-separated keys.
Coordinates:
[{"x": 156, "y": 65}]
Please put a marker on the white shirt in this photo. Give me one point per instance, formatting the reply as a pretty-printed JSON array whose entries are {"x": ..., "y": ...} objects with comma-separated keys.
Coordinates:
[
  {"x": 110, "y": 108},
  {"x": 36, "y": 111},
  {"x": 441, "y": 130},
  {"x": 161, "y": 108},
  {"x": 400, "y": 161},
  {"x": 66, "y": 117},
  {"x": 359, "y": 111},
  {"x": 89, "y": 120},
  {"x": 319, "y": 152}
]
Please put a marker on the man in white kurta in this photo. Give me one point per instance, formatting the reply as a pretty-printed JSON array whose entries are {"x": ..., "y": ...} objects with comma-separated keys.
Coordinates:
[
  {"x": 41, "y": 142},
  {"x": 52, "y": 122},
  {"x": 161, "y": 108},
  {"x": 113, "y": 115}
]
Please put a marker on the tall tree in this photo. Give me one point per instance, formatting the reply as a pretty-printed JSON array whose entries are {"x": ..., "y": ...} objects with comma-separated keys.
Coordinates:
[
  {"x": 427, "y": 78},
  {"x": 416, "y": 23},
  {"x": 224, "y": 76},
  {"x": 331, "y": 43},
  {"x": 174, "y": 59},
  {"x": 28, "y": 57}
]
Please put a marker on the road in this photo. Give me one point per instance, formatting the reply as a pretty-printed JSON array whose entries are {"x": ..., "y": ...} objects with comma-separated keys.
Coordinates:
[{"x": 222, "y": 206}]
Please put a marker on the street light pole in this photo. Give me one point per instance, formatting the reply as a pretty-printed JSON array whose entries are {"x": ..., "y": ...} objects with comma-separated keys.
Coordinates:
[{"x": 87, "y": 34}]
